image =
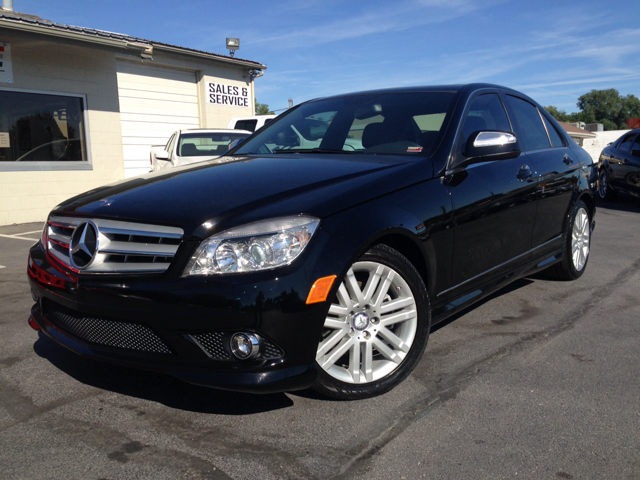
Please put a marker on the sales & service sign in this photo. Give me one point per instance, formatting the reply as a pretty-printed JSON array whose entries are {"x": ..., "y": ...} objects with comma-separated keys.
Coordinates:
[{"x": 230, "y": 95}]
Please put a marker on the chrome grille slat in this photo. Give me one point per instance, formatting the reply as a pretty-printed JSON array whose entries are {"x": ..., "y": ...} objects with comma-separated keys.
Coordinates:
[
  {"x": 127, "y": 248},
  {"x": 59, "y": 237},
  {"x": 140, "y": 233},
  {"x": 123, "y": 247}
]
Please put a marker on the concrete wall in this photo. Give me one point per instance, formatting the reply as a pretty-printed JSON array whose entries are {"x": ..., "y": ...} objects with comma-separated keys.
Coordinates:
[
  {"x": 212, "y": 115},
  {"x": 594, "y": 146},
  {"x": 49, "y": 66}
]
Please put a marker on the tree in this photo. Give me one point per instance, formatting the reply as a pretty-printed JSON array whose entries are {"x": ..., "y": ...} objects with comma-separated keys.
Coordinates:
[
  {"x": 559, "y": 115},
  {"x": 263, "y": 109},
  {"x": 601, "y": 106},
  {"x": 609, "y": 108}
]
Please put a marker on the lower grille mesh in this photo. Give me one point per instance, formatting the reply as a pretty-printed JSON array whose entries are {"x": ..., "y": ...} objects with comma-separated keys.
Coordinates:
[
  {"x": 213, "y": 345},
  {"x": 100, "y": 331}
]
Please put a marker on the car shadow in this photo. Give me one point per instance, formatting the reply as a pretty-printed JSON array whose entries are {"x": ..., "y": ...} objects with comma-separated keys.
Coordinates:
[{"x": 156, "y": 387}]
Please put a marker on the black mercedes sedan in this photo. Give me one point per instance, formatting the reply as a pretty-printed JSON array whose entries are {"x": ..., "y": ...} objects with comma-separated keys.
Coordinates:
[
  {"x": 619, "y": 166},
  {"x": 321, "y": 250}
]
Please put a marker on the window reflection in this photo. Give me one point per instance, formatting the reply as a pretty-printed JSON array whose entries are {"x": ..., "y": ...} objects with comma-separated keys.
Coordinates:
[{"x": 41, "y": 127}]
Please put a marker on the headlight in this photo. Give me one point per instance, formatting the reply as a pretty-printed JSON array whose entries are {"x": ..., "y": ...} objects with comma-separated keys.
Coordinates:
[{"x": 256, "y": 246}]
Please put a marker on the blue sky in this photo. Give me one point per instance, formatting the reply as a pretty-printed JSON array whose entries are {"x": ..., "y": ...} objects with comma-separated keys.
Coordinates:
[{"x": 552, "y": 50}]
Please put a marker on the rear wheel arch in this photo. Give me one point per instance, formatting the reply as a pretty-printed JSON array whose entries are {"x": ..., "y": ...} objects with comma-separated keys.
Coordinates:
[{"x": 588, "y": 201}]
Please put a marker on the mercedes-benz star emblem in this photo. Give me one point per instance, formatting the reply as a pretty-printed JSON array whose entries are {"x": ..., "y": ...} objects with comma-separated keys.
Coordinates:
[
  {"x": 83, "y": 245},
  {"x": 360, "y": 321}
]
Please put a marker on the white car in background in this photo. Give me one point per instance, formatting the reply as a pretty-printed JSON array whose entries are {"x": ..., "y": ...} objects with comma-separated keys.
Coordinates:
[{"x": 194, "y": 145}]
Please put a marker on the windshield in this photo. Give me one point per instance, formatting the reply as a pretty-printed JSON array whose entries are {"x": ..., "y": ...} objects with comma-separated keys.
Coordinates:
[
  {"x": 203, "y": 144},
  {"x": 380, "y": 123}
]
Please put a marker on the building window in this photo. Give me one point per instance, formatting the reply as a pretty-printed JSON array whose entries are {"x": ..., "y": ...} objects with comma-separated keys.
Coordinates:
[{"x": 42, "y": 130}]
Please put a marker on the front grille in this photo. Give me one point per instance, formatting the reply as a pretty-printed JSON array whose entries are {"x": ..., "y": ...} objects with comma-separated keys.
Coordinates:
[
  {"x": 102, "y": 331},
  {"x": 120, "y": 247},
  {"x": 213, "y": 345}
]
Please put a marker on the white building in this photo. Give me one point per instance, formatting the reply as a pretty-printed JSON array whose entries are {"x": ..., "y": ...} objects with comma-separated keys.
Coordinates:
[{"x": 79, "y": 108}]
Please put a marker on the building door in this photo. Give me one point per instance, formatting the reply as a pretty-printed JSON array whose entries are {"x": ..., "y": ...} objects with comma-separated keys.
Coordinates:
[{"x": 154, "y": 102}]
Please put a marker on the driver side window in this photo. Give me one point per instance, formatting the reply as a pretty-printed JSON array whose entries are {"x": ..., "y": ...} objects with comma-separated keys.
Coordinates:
[{"x": 486, "y": 112}]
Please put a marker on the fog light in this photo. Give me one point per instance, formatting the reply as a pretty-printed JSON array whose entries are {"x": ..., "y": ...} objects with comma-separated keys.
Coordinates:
[
  {"x": 33, "y": 324},
  {"x": 245, "y": 346}
]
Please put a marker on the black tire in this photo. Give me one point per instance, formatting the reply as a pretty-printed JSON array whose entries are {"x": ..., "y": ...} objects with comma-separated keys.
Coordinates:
[
  {"x": 604, "y": 186},
  {"x": 576, "y": 245},
  {"x": 367, "y": 350}
]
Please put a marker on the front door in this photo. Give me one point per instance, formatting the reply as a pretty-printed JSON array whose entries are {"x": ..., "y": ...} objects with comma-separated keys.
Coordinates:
[{"x": 494, "y": 205}]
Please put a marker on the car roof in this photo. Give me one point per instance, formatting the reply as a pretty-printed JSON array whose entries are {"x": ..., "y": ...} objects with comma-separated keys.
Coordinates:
[
  {"x": 213, "y": 130},
  {"x": 425, "y": 88}
]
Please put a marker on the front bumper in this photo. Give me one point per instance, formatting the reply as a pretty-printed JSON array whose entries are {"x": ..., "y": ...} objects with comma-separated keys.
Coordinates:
[{"x": 181, "y": 326}]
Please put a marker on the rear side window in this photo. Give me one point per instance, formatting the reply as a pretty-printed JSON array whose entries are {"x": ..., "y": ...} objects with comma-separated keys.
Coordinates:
[
  {"x": 554, "y": 136},
  {"x": 635, "y": 150},
  {"x": 485, "y": 113},
  {"x": 532, "y": 134},
  {"x": 249, "y": 125},
  {"x": 625, "y": 144}
]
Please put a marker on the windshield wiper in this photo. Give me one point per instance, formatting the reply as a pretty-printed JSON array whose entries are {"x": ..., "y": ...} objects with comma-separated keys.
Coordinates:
[{"x": 313, "y": 150}]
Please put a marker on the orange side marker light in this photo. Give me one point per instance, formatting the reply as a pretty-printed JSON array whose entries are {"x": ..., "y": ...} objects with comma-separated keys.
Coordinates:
[{"x": 320, "y": 289}]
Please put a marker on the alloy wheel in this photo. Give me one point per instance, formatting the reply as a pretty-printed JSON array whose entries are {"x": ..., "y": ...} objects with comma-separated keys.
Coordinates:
[
  {"x": 580, "y": 234},
  {"x": 370, "y": 326}
]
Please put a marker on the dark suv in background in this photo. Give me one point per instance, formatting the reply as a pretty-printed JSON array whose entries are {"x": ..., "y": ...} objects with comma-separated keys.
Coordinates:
[{"x": 619, "y": 166}]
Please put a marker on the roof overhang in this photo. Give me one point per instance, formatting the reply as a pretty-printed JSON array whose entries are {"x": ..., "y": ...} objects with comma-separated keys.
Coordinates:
[{"x": 143, "y": 49}]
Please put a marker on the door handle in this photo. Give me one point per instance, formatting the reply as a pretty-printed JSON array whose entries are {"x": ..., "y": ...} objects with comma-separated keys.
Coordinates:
[
  {"x": 567, "y": 160},
  {"x": 524, "y": 173}
]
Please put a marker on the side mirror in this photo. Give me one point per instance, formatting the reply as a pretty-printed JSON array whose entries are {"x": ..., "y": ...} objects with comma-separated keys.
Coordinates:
[
  {"x": 163, "y": 155},
  {"x": 493, "y": 145}
]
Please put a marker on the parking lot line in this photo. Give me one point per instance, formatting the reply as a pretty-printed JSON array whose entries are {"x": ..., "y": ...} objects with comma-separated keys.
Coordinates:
[
  {"x": 2, "y": 266},
  {"x": 20, "y": 238}
]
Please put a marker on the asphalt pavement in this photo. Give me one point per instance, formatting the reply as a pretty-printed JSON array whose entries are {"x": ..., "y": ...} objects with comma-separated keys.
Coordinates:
[{"x": 540, "y": 381}]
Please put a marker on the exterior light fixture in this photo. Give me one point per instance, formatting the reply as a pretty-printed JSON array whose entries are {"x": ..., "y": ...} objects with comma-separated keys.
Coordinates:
[{"x": 233, "y": 44}]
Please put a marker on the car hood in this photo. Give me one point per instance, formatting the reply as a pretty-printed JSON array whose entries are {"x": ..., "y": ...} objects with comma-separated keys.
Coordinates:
[{"x": 230, "y": 191}]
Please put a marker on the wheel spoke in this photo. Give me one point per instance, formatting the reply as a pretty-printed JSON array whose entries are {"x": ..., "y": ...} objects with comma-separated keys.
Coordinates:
[
  {"x": 372, "y": 283},
  {"x": 398, "y": 317},
  {"x": 328, "y": 343},
  {"x": 354, "y": 361},
  {"x": 383, "y": 288},
  {"x": 367, "y": 362},
  {"x": 386, "y": 351},
  {"x": 335, "y": 355},
  {"x": 336, "y": 309},
  {"x": 396, "y": 304},
  {"x": 352, "y": 286},
  {"x": 343, "y": 296},
  {"x": 394, "y": 339},
  {"x": 335, "y": 323}
]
